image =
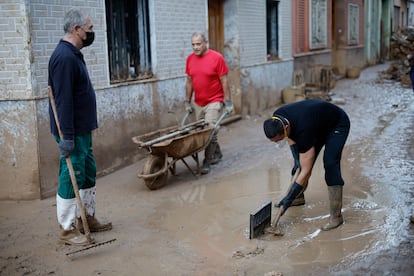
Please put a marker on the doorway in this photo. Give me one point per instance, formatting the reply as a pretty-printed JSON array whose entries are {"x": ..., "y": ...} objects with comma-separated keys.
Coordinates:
[{"x": 216, "y": 25}]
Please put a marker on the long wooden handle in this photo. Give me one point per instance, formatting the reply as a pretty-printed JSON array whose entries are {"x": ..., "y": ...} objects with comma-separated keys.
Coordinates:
[
  {"x": 71, "y": 170},
  {"x": 277, "y": 217},
  {"x": 281, "y": 208}
]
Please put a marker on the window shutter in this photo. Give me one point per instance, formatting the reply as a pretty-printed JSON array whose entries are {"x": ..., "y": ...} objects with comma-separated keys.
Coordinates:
[{"x": 300, "y": 24}]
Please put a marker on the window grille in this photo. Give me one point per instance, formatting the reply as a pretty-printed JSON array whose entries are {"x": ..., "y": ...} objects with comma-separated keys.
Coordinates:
[
  {"x": 128, "y": 35},
  {"x": 272, "y": 29}
]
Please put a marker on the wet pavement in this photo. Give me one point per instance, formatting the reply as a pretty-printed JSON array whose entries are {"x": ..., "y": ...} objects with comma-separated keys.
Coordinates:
[
  {"x": 384, "y": 143},
  {"x": 200, "y": 226}
]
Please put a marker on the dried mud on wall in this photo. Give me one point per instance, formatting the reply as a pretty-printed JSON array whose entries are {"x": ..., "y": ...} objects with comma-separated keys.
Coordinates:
[{"x": 18, "y": 158}]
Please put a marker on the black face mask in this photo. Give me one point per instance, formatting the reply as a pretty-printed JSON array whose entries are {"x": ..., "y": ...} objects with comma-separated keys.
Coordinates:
[{"x": 90, "y": 37}]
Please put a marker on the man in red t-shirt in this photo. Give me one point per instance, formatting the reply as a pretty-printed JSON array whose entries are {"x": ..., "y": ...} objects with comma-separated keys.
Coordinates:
[{"x": 206, "y": 72}]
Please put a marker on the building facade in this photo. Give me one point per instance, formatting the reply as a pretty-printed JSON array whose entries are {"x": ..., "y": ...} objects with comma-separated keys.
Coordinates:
[
  {"x": 328, "y": 33},
  {"x": 399, "y": 14},
  {"x": 137, "y": 67}
]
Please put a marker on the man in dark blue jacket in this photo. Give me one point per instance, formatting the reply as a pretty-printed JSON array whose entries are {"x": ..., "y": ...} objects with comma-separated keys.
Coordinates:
[
  {"x": 76, "y": 109},
  {"x": 310, "y": 125}
]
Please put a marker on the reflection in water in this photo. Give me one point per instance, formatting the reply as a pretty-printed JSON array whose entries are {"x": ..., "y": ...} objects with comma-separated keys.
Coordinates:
[
  {"x": 274, "y": 178},
  {"x": 307, "y": 238},
  {"x": 317, "y": 218},
  {"x": 360, "y": 234}
]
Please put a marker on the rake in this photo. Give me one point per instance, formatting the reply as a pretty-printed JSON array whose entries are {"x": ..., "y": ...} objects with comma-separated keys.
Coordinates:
[{"x": 75, "y": 186}]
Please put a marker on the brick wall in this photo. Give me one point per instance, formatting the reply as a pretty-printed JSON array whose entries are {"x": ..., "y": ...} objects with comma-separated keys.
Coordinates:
[
  {"x": 14, "y": 51},
  {"x": 46, "y": 24},
  {"x": 173, "y": 23}
]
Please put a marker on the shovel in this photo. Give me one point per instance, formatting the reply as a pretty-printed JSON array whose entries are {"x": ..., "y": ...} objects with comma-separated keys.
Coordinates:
[
  {"x": 260, "y": 221},
  {"x": 273, "y": 227},
  {"x": 74, "y": 183}
]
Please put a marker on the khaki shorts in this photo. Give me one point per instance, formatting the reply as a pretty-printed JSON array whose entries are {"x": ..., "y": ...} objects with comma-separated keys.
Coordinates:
[{"x": 210, "y": 112}]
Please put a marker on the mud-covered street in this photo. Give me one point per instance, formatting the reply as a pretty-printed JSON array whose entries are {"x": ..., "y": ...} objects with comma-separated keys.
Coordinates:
[{"x": 200, "y": 226}]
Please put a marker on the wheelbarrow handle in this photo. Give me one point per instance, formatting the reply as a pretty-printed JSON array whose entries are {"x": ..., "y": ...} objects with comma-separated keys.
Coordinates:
[
  {"x": 224, "y": 115},
  {"x": 182, "y": 125},
  {"x": 180, "y": 131},
  {"x": 217, "y": 126}
]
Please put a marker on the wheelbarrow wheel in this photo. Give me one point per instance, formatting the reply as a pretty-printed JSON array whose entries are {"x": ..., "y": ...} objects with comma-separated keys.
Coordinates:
[{"x": 154, "y": 164}]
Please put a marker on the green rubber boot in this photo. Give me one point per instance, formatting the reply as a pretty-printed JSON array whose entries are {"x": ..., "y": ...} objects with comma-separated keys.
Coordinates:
[{"x": 335, "y": 206}]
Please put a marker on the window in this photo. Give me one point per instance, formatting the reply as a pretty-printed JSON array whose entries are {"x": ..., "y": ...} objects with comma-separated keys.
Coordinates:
[
  {"x": 300, "y": 27},
  {"x": 396, "y": 20},
  {"x": 318, "y": 24},
  {"x": 272, "y": 29},
  {"x": 353, "y": 24},
  {"x": 128, "y": 40}
]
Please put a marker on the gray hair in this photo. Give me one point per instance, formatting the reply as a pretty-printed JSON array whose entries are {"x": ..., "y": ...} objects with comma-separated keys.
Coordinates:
[
  {"x": 202, "y": 34},
  {"x": 73, "y": 17}
]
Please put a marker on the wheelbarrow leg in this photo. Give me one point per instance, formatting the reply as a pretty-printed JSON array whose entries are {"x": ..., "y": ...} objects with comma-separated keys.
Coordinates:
[
  {"x": 195, "y": 157},
  {"x": 188, "y": 167},
  {"x": 172, "y": 169}
]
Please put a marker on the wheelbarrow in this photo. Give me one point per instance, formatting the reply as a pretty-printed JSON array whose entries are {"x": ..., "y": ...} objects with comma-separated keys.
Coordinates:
[{"x": 169, "y": 145}]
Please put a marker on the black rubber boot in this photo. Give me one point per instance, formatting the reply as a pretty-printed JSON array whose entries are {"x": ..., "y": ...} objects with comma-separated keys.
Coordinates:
[
  {"x": 217, "y": 155},
  {"x": 335, "y": 205},
  {"x": 205, "y": 168},
  {"x": 208, "y": 157}
]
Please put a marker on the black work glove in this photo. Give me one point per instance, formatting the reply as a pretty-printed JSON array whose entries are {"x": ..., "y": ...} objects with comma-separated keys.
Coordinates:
[
  {"x": 293, "y": 193},
  {"x": 295, "y": 154},
  {"x": 66, "y": 146}
]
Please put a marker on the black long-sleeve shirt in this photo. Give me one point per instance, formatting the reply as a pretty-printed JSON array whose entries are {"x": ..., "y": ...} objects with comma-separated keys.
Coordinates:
[
  {"x": 73, "y": 92},
  {"x": 311, "y": 121}
]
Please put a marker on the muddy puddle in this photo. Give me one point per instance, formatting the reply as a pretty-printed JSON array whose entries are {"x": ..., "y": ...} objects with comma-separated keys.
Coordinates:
[
  {"x": 200, "y": 225},
  {"x": 209, "y": 217},
  {"x": 214, "y": 219}
]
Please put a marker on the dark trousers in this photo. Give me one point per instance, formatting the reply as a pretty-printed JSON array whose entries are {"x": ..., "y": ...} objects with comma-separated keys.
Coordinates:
[{"x": 332, "y": 155}]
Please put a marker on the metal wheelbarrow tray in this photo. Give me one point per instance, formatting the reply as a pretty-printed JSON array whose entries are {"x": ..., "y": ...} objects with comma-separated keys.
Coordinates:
[{"x": 169, "y": 145}]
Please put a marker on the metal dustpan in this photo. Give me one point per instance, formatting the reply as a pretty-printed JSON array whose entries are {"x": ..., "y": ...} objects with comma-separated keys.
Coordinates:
[{"x": 260, "y": 219}]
